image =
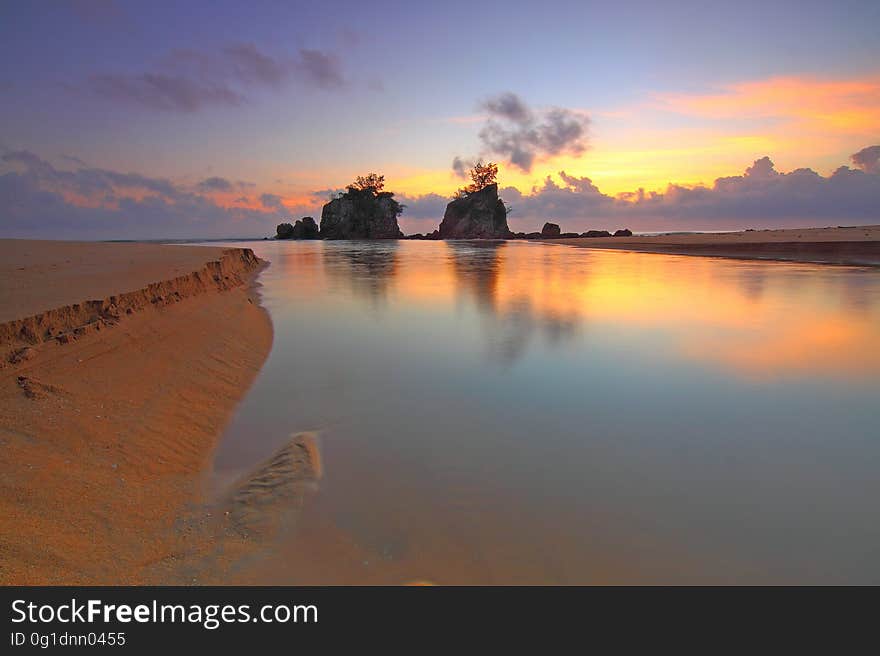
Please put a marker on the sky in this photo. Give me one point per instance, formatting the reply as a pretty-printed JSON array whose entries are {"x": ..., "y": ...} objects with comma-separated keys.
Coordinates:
[{"x": 210, "y": 119}]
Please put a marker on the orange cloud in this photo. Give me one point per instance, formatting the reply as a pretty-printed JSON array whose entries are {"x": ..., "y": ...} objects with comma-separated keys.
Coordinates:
[{"x": 848, "y": 106}]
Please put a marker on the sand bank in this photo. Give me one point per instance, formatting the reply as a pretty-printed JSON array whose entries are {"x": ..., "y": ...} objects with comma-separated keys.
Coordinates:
[
  {"x": 127, "y": 361},
  {"x": 858, "y": 245}
]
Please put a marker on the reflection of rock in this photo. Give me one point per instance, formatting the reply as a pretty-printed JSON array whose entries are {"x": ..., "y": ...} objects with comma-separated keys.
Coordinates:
[
  {"x": 367, "y": 268},
  {"x": 304, "y": 228},
  {"x": 625, "y": 232},
  {"x": 550, "y": 230},
  {"x": 476, "y": 268},
  {"x": 361, "y": 215},
  {"x": 481, "y": 215},
  {"x": 512, "y": 325}
]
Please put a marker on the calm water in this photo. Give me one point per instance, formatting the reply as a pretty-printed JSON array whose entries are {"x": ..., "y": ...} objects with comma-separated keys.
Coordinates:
[{"x": 528, "y": 413}]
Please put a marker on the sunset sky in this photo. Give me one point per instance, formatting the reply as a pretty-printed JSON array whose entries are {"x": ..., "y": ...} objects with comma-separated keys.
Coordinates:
[{"x": 213, "y": 119}]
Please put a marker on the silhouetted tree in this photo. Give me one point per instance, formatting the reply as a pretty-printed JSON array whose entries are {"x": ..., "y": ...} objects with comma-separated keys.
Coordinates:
[
  {"x": 371, "y": 182},
  {"x": 482, "y": 175},
  {"x": 367, "y": 189}
]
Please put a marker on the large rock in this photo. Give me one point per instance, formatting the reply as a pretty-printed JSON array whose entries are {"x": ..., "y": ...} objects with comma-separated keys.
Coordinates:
[
  {"x": 284, "y": 231},
  {"x": 304, "y": 228},
  {"x": 481, "y": 215},
  {"x": 361, "y": 215}
]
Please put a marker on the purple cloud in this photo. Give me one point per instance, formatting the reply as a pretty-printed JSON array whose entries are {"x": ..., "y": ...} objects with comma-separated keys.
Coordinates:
[
  {"x": 520, "y": 135},
  {"x": 320, "y": 68},
  {"x": 36, "y": 201},
  {"x": 189, "y": 80},
  {"x": 867, "y": 159},
  {"x": 271, "y": 201}
]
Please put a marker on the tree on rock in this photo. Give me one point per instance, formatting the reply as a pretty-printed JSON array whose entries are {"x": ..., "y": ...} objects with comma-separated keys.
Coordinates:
[
  {"x": 364, "y": 211},
  {"x": 482, "y": 175},
  {"x": 371, "y": 182},
  {"x": 476, "y": 211}
]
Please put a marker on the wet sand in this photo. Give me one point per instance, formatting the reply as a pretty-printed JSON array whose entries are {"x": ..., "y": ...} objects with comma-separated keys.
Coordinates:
[
  {"x": 107, "y": 427},
  {"x": 857, "y": 245}
]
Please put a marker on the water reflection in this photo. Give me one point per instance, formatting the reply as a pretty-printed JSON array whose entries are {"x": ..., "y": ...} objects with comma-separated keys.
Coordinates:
[
  {"x": 527, "y": 413},
  {"x": 509, "y": 323},
  {"x": 367, "y": 268}
]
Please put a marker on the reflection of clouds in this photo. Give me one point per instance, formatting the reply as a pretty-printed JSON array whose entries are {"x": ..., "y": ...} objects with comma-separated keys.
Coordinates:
[
  {"x": 510, "y": 331},
  {"x": 829, "y": 345},
  {"x": 367, "y": 268},
  {"x": 756, "y": 320},
  {"x": 860, "y": 291},
  {"x": 752, "y": 282},
  {"x": 510, "y": 323}
]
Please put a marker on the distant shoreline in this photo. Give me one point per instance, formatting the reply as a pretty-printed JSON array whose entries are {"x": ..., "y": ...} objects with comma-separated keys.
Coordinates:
[{"x": 852, "y": 246}]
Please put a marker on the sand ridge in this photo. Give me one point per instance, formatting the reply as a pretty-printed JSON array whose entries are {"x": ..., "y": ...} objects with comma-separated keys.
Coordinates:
[{"x": 105, "y": 439}]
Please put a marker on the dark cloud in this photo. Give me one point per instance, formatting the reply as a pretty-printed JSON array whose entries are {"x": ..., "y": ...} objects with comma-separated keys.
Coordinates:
[
  {"x": 215, "y": 184},
  {"x": 39, "y": 200},
  {"x": 520, "y": 135},
  {"x": 460, "y": 166},
  {"x": 867, "y": 159},
  {"x": 163, "y": 92},
  {"x": 320, "y": 68},
  {"x": 509, "y": 106},
  {"x": 254, "y": 67},
  {"x": 188, "y": 80},
  {"x": 272, "y": 201},
  {"x": 73, "y": 160}
]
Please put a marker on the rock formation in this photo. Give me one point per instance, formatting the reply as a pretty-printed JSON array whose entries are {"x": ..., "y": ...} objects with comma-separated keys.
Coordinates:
[
  {"x": 304, "y": 228},
  {"x": 361, "y": 214},
  {"x": 550, "y": 230},
  {"x": 625, "y": 232},
  {"x": 593, "y": 234},
  {"x": 480, "y": 215}
]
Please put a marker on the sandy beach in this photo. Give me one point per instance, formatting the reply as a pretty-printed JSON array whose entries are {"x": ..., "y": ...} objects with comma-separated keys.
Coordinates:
[
  {"x": 856, "y": 245},
  {"x": 121, "y": 365}
]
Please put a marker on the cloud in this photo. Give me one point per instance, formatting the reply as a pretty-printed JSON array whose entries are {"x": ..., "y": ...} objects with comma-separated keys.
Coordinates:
[
  {"x": 215, "y": 184},
  {"x": 254, "y": 67},
  {"x": 271, "y": 201},
  {"x": 188, "y": 80},
  {"x": 39, "y": 200},
  {"x": 847, "y": 106},
  {"x": 163, "y": 92},
  {"x": 460, "y": 166},
  {"x": 74, "y": 160},
  {"x": 521, "y": 135},
  {"x": 320, "y": 68},
  {"x": 508, "y": 106},
  {"x": 761, "y": 196},
  {"x": 421, "y": 213},
  {"x": 867, "y": 159}
]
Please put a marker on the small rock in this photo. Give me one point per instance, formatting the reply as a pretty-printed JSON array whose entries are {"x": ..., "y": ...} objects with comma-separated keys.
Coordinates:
[{"x": 550, "y": 230}]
